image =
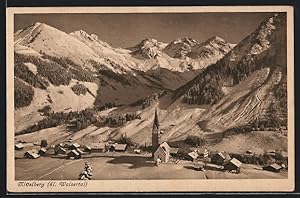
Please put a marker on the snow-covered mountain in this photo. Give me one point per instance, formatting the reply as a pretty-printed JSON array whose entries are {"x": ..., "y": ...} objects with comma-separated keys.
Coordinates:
[
  {"x": 87, "y": 49},
  {"x": 245, "y": 86},
  {"x": 46, "y": 39},
  {"x": 147, "y": 48},
  {"x": 213, "y": 48},
  {"x": 180, "y": 47},
  {"x": 247, "y": 83},
  {"x": 48, "y": 58}
]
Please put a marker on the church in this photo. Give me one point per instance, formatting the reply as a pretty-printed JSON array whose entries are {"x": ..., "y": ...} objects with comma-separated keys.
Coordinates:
[{"x": 159, "y": 151}]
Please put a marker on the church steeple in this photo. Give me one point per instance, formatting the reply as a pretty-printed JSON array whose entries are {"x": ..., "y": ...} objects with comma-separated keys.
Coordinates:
[{"x": 155, "y": 133}]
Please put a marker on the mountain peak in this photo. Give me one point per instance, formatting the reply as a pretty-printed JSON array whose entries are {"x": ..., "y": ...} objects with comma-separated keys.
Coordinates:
[
  {"x": 147, "y": 48},
  {"x": 186, "y": 40},
  {"x": 180, "y": 47},
  {"x": 82, "y": 33},
  {"x": 88, "y": 38}
]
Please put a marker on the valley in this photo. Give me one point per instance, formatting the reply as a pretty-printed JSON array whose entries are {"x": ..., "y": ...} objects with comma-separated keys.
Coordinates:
[{"x": 74, "y": 86}]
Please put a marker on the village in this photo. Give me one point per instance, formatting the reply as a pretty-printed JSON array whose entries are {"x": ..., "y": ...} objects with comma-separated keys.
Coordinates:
[{"x": 160, "y": 154}]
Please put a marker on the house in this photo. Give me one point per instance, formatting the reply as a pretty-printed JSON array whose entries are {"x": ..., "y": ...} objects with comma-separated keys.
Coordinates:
[
  {"x": 120, "y": 147},
  {"x": 74, "y": 146},
  {"x": 59, "y": 150},
  {"x": 74, "y": 154},
  {"x": 31, "y": 154},
  {"x": 98, "y": 147},
  {"x": 19, "y": 146},
  {"x": 193, "y": 155},
  {"x": 202, "y": 152},
  {"x": 220, "y": 158},
  {"x": 42, "y": 151},
  {"x": 137, "y": 151},
  {"x": 174, "y": 151},
  {"x": 273, "y": 167},
  {"x": 233, "y": 164}
]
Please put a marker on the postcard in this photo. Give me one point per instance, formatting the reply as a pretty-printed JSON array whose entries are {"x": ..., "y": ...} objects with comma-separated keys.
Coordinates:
[{"x": 150, "y": 99}]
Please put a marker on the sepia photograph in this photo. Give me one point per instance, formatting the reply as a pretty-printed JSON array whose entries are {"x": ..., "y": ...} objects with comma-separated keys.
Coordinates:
[{"x": 150, "y": 98}]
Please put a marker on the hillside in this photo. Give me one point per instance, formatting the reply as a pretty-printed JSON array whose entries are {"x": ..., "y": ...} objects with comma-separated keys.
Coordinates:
[
  {"x": 224, "y": 85},
  {"x": 204, "y": 89}
]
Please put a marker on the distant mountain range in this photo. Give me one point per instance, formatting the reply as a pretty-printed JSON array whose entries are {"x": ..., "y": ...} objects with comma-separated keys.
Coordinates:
[{"x": 209, "y": 87}]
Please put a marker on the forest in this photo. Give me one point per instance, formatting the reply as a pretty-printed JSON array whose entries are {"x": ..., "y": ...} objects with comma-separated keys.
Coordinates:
[
  {"x": 206, "y": 88},
  {"x": 76, "y": 120},
  {"x": 23, "y": 94}
]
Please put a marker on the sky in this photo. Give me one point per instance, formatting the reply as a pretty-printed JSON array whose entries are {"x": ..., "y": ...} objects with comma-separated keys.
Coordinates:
[{"x": 126, "y": 30}]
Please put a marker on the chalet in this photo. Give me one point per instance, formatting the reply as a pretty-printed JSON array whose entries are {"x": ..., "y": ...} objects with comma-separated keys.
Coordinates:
[
  {"x": 174, "y": 151},
  {"x": 98, "y": 147},
  {"x": 19, "y": 146},
  {"x": 137, "y": 151},
  {"x": 74, "y": 146},
  {"x": 162, "y": 152},
  {"x": 42, "y": 151},
  {"x": 31, "y": 154},
  {"x": 74, "y": 154},
  {"x": 233, "y": 164},
  {"x": 59, "y": 150},
  {"x": 273, "y": 167},
  {"x": 220, "y": 158},
  {"x": 202, "y": 152},
  {"x": 193, "y": 156},
  {"x": 120, "y": 147}
]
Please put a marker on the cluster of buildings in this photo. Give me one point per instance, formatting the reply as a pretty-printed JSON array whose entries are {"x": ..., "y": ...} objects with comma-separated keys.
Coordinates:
[
  {"x": 69, "y": 149},
  {"x": 161, "y": 153}
]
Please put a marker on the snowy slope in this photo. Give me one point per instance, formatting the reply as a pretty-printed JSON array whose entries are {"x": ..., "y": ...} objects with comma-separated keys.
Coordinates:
[{"x": 44, "y": 38}]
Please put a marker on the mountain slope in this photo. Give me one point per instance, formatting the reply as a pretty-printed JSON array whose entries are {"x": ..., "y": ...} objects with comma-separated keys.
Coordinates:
[
  {"x": 264, "y": 50},
  {"x": 44, "y": 38}
]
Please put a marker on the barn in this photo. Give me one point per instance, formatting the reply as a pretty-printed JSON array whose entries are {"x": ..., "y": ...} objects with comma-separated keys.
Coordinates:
[
  {"x": 74, "y": 154},
  {"x": 120, "y": 147},
  {"x": 19, "y": 146},
  {"x": 74, "y": 146},
  {"x": 273, "y": 167},
  {"x": 42, "y": 151},
  {"x": 59, "y": 150},
  {"x": 98, "y": 147},
  {"x": 193, "y": 156},
  {"x": 220, "y": 158},
  {"x": 233, "y": 164},
  {"x": 32, "y": 154}
]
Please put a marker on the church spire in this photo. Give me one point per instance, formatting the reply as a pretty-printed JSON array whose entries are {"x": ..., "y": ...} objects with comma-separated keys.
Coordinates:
[{"x": 155, "y": 133}]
